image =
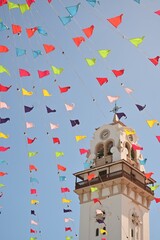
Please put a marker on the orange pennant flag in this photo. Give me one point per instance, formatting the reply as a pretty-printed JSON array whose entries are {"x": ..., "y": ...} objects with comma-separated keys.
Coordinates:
[
  {"x": 115, "y": 21},
  {"x": 88, "y": 31},
  {"x": 48, "y": 48},
  {"x": 3, "y": 48}
]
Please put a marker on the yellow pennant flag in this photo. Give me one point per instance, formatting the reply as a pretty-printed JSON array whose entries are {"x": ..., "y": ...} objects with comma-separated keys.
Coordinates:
[
  {"x": 136, "y": 41},
  {"x": 94, "y": 189},
  {"x": 78, "y": 138},
  {"x": 46, "y": 93},
  {"x": 104, "y": 53},
  {"x": 153, "y": 188},
  {"x": 90, "y": 61},
  {"x": 129, "y": 132},
  {"x": 33, "y": 202},
  {"x": 24, "y": 8},
  {"x": 151, "y": 122},
  {"x": 102, "y": 231},
  {"x": 2, "y": 135},
  {"x": 57, "y": 71},
  {"x": 12, "y": 5},
  {"x": 64, "y": 200},
  {"x": 3, "y": 69},
  {"x": 26, "y": 93}
]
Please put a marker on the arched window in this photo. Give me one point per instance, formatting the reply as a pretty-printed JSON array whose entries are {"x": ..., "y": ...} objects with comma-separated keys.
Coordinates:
[
  {"x": 133, "y": 154},
  {"x": 104, "y": 228},
  {"x": 100, "y": 150},
  {"x": 128, "y": 148},
  {"x": 97, "y": 232},
  {"x": 109, "y": 145}
]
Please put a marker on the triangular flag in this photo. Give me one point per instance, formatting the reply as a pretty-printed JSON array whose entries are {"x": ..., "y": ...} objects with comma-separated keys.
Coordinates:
[
  {"x": 32, "y": 154},
  {"x": 69, "y": 107},
  {"x": 49, "y": 110},
  {"x": 65, "y": 20},
  {"x": 59, "y": 154},
  {"x": 23, "y": 73},
  {"x": 155, "y": 60},
  {"x": 78, "y": 138},
  {"x": 158, "y": 138},
  {"x": 90, "y": 61},
  {"x": 157, "y": 12},
  {"x": 16, "y": 29},
  {"x": 3, "y": 69},
  {"x": 88, "y": 31},
  {"x": 2, "y": 135},
  {"x": 57, "y": 71},
  {"x": 73, "y": 9},
  {"x": 36, "y": 53},
  {"x": 28, "y": 109},
  {"x": 64, "y": 89},
  {"x": 4, "y": 88},
  {"x": 44, "y": 73},
  {"x": 3, "y": 49},
  {"x": 24, "y": 7},
  {"x": 157, "y": 200},
  {"x": 136, "y": 147},
  {"x": 30, "y": 140},
  {"x": 128, "y": 90},
  {"x": 151, "y": 122},
  {"x": 31, "y": 31},
  {"x": 78, "y": 40},
  {"x": 20, "y": 52},
  {"x": 60, "y": 167},
  {"x": 102, "y": 80},
  {"x": 136, "y": 41},
  {"x": 4, "y": 105},
  {"x": 118, "y": 73},
  {"x": 140, "y": 108},
  {"x": 46, "y": 93},
  {"x": 48, "y": 48},
  {"x": 94, "y": 189},
  {"x": 56, "y": 140},
  {"x": 83, "y": 151},
  {"x": 54, "y": 126},
  {"x": 104, "y": 53},
  {"x": 112, "y": 98},
  {"x": 26, "y": 93},
  {"x": 115, "y": 21},
  {"x": 148, "y": 175}
]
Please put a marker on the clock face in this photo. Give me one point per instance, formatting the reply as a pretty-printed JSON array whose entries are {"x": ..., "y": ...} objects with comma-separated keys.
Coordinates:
[{"x": 104, "y": 134}]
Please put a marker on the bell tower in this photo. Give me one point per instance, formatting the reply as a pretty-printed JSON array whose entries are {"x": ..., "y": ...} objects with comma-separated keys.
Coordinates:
[{"x": 113, "y": 191}]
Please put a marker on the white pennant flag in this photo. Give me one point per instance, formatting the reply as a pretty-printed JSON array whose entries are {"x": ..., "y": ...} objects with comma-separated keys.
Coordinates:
[
  {"x": 112, "y": 98},
  {"x": 68, "y": 219},
  {"x": 128, "y": 90},
  {"x": 54, "y": 126},
  {"x": 69, "y": 107},
  {"x": 34, "y": 222}
]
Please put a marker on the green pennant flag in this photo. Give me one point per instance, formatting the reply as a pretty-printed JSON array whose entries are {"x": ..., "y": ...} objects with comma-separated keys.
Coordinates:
[
  {"x": 94, "y": 189},
  {"x": 57, "y": 71},
  {"x": 2, "y": 185},
  {"x": 136, "y": 41},
  {"x": 104, "y": 53},
  {"x": 59, "y": 154},
  {"x": 12, "y": 5},
  {"x": 90, "y": 61},
  {"x": 153, "y": 188},
  {"x": 3, "y": 69},
  {"x": 69, "y": 238},
  {"x": 24, "y": 8},
  {"x": 33, "y": 238},
  {"x": 32, "y": 154}
]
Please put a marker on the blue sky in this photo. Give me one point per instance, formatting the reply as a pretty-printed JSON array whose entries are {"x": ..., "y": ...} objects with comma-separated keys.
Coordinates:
[{"x": 92, "y": 108}]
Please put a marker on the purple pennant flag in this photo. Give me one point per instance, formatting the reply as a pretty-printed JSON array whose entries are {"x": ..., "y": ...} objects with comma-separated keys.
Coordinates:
[
  {"x": 120, "y": 115},
  {"x": 67, "y": 210},
  {"x": 100, "y": 221},
  {"x": 49, "y": 110},
  {"x": 33, "y": 212},
  {"x": 4, "y": 120},
  {"x": 140, "y": 108},
  {"x": 27, "y": 109},
  {"x": 74, "y": 122}
]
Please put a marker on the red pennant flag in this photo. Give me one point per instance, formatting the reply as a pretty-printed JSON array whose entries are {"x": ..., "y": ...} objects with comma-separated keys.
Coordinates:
[
  {"x": 3, "y": 48},
  {"x": 31, "y": 31},
  {"x": 158, "y": 138},
  {"x": 49, "y": 1},
  {"x": 157, "y": 200},
  {"x": 30, "y": 141},
  {"x": 78, "y": 40},
  {"x": 32, "y": 168},
  {"x": 3, "y": 174},
  {"x": 24, "y": 73},
  {"x": 83, "y": 151},
  {"x": 60, "y": 167},
  {"x": 88, "y": 31},
  {"x": 102, "y": 80},
  {"x": 64, "y": 89},
  {"x": 63, "y": 190},
  {"x": 118, "y": 73},
  {"x": 33, "y": 231},
  {"x": 48, "y": 48},
  {"x": 154, "y": 60},
  {"x": 135, "y": 147},
  {"x": 68, "y": 229},
  {"x": 157, "y": 12},
  {"x": 56, "y": 140},
  {"x": 91, "y": 176},
  {"x": 95, "y": 200},
  {"x": 116, "y": 21},
  {"x": 16, "y": 29},
  {"x": 3, "y": 149},
  {"x": 29, "y": 2},
  {"x": 148, "y": 175},
  {"x": 4, "y": 88},
  {"x": 42, "y": 74},
  {"x": 33, "y": 191},
  {"x": 2, "y": 2}
]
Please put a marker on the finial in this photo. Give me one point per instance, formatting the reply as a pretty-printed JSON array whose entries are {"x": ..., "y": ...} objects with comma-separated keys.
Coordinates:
[{"x": 115, "y": 109}]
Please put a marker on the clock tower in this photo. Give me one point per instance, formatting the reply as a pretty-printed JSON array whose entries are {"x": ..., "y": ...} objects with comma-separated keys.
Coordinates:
[{"x": 113, "y": 190}]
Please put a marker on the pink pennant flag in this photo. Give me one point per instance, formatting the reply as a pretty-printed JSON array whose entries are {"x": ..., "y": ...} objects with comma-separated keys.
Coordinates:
[
  {"x": 83, "y": 151},
  {"x": 136, "y": 147},
  {"x": 34, "y": 222},
  {"x": 112, "y": 98},
  {"x": 54, "y": 126},
  {"x": 24, "y": 73},
  {"x": 68, "y": 219},
  {"x": 157, "y": 12},
  {"x": 128, "y": 90},
  {"x": 69, "y": 107},
  {"x": 29, "y": 125},
  {"x": 42, "y": 74},
  {"x": 158, "y": 138},
  {"x": 4, "y": 105}
]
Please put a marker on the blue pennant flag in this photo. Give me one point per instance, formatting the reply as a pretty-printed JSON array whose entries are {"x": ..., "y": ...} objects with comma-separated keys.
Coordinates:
[
  {"x": 73, "y": 9},
  {"x": 20, "y": 52},
  {"x": 65, "y": 20}
]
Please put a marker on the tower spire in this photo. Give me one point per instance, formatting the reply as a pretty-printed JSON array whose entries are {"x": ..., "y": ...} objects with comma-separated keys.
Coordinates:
[{"x": 115, "y": 110}]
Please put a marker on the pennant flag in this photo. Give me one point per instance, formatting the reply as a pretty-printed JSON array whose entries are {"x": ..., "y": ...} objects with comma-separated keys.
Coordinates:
[
  {"x": 54, "y": 126},
  {"x": 67, "y": 210},
  {"x": 36, "y": 53},
  {"x": 100, "y": 221},
  {"x": 118, "y": 73},
  {"x": 29, "y": 125},
  {"x": 33, "y": 231},
  {"x": 65, "y": 20},
  {"x": 2, "y": 185},
  {"x": 102, "y": 231},
  {"x": 102, "y": 80},
  {"x": 155, "y": 60},
  {"x": 120, "y": 115},
  {"x": 143, "y": 162},
  {"x": 31, "y": 31},
  {"x": 49, "y": 110},
  {"x": 138, "y": 1},
  {"x": 62, "y": 178},
  {"x": 20, "y": 52},
  {"x": 12, "y": 5},
  {"x": 2, "y": 2},
  {"x": 34, "y": 180},
  {"x": 148, "y": 175},
  {"x": 33, "y": 238},
  {"x": 92, "y": 2},
  {"x": 33, "y": 191},
  {"x": 78, "y": 40},
  {"x": 69, "y": 238},
  {"x": 59, "y": 154},
  {"x": 48, "y": 48},
  {"x": 4, "y": 105},
  {"x": 136, "y": 147},
  {"x": 64, "y": 89},
  {"x": 88, "y": 31},
  {"x": 63, "y": 190},
  {"x": 56, "y": 140},
  {"x": 4, "y": 120},
  {"x": 3, "y": 161},
  {"x": 4, "y": 149},
  {"x": 3, "y": 49},
  {"x": 78, "y": 138},
  {"x": 34, "y": 222},
  {"x": 29, "y": 2},
  {"x": 115, "y": 21},
  {"x": 41, "y": 31},
  {"x": 28, "y": 109},
  {"x": 94, "y": 189},
  {"x": 128, "y": 90},
  {"x": 151, "y": 122},
  {"x": 91, "y": 176},
  {"x": 157, "y": 12},
  {"x": 140, "y": 108},
  {"x": 95, "y": 200},
  {"x": 24, "y": 73},
  {"x": 26, "y": 93},
  {"x": 2, "y": 174},
  {"x": 157, "y": 200},
  {"x": 158, "y": 138},
  {"x": 136, "y": 41},
  {"x": 24, "y": 7},
  {"x": 90, "y": 61},
  {"x": 2, "y": 135},
  {"x": 42, "y": 74},
  {"x": 64, "y": 200},
  {"x": 112, "y": 98},
  {"x": 104, "y": 53},
  {"x": 60, "y": 167},
  {"x": 57, "y": 71},
  {"x": 32, "y": 154},
  {"x": 30, "y": 141},
  {"x": 66, "y": 220},
  {"x": 83, "y": 151},
  {"x": 153, "y": 188},
  {"x": 86, "y": 165},
  {"x": 34, "y": 202},
  {"x": 46, "y": 93},
  {"x": 16, "y": 29},
  {"x": 68, "y": 229},
  {"x": 4, "y": 88},
  {"x": 74, "y": 122},
  {"x": 129, "y": 132},
  {"x": 69, "y": 107},
  {"x": 3, "y": 27},
  {"x": 33, "y": 212},
  {"x": 3, "y": 69},
  {"x": 73, "y": 9}
]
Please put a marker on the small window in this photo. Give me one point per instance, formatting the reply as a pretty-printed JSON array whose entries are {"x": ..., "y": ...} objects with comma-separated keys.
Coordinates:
[
  {"x": 109, "y": 146},
  {"x": 97, "y": 232},
  {"x": 100, "y": 151},
  {"x": 132, "y": 233},
  {"x": 105, "y": 230},
  {"x": 103, "y": 173}
]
